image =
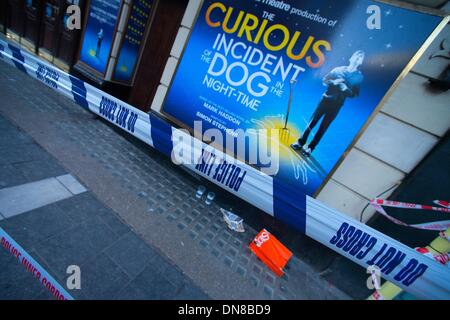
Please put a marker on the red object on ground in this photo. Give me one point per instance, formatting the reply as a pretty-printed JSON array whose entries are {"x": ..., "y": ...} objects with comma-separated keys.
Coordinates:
[{"x": 271, "y": 251}]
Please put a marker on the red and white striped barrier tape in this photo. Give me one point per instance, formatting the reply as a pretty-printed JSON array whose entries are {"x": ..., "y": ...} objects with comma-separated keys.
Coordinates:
[
  {"x": 441, "y": 203},
  {"x": 442, "y": 258},
  {"x": 444, "y": 235},
  {"x": 378, "y": 204},
  {"x": 377, "y": 296}
]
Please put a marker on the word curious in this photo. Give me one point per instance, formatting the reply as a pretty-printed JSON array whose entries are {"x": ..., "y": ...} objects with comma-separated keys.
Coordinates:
[{"x": 255, "y": 30}]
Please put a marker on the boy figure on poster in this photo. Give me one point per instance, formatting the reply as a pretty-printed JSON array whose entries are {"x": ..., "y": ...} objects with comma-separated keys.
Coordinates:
[
  {"x": 99, "y": 42},
  {"x": 342, "y": 82}
]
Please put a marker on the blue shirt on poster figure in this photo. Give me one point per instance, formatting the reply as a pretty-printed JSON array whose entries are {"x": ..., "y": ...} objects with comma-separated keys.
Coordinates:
[
  {"x": 342, "y": 83},
  {"x": 99, "y": 42}
]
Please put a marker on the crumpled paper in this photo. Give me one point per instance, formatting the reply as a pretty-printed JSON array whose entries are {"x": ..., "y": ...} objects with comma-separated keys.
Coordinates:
[{"x": 233, "y": 221}]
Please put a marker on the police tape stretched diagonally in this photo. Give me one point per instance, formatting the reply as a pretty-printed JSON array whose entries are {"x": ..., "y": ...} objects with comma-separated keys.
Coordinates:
[{"x": 378, "y": 204}]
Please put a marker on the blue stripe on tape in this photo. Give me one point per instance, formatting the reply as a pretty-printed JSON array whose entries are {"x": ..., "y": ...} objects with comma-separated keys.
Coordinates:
[
  {"x": 79, "y": 92},
  {"x": 289, "y": 205},
  {"x": 2, "y": 49},
  {"x": 26, "y": 260},
  {"x": 161, "y": 133},
  {"x": 19, "y": 59}
]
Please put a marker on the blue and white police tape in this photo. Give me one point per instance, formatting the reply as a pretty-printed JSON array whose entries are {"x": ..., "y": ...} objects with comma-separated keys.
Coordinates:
[{"x": 403, "y": 266}]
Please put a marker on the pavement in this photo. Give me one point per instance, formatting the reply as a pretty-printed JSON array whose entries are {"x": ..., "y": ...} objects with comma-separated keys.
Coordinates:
[
  {"x": 116, "y": 263},
  {"x": 137, "y": 231}
]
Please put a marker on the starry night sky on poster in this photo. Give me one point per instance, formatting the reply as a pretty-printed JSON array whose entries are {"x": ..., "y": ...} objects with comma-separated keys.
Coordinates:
[{"x": 387, "y": 52}]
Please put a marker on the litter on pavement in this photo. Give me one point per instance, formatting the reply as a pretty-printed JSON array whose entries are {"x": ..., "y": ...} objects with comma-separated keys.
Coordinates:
[{"x": 271, "y": 251}]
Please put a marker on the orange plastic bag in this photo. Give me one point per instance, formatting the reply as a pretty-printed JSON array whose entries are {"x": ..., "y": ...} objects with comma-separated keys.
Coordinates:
[{"x": 271, "y": 251}]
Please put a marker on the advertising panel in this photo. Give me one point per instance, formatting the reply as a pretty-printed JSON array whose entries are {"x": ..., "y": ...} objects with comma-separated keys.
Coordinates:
[
  {"x": 131, "y": 43},
  {"x": 99, "y": 33},
  {"x": 313, "y": 70}
]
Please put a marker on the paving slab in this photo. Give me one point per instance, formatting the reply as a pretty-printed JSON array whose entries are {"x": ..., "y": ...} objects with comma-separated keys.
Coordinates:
[
  {"x": 102, "y": 279},
  {"x": 71, "y": 184},
  {"x": 131, "y": 254},
  {"x": 29, "y": 196}
]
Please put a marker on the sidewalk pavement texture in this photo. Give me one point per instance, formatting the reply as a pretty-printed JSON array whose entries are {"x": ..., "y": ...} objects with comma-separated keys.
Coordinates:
[
  {"x": 139, "y": 232},
  {"x": 115, "y": 262}
]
